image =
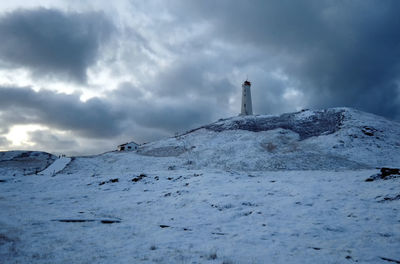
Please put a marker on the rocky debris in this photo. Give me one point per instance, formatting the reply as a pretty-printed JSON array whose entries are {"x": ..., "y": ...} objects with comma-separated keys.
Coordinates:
[
  {"x": 385, "y": 174},
  {"x": 74, "y": 220},
  {"x": 318, "y": 123},
  {"x": 219, "y": 233},
  {"x": 153, "y": 247},
  {"x": 4, "y": 239},
  {"x": 389, "y": 199},
  {"x": 103, "y": 221},
  {"x": 138, "y": 178},
  {"x": 222, "y": 207},
  {"x": 369, "y": 131},
  {"x": 109, "y": 181},
  {"x": 109, "y": 221},
  {"x": 391, "y": 260}
]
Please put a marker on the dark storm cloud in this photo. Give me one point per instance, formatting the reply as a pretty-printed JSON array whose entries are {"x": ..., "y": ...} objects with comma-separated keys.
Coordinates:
[
  {"x": 97, "y": 117},
  {"x": 174, "y": 117},
  {"x": 93, "y": 118},
  {"x": 340, "y": 52},
  {"x": 169, "y": 113},
  {"x": 188, "y": 59},
  {"x": 50, "y": 42},
  {"x": 191, "y": 77}
]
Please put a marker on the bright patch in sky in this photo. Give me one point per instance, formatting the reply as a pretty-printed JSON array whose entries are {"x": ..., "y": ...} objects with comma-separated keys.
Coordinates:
[{"x": 18, "y": 134}]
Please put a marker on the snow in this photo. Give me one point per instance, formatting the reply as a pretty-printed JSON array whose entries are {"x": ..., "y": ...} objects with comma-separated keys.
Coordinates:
[
  {"x": 233, "y": 196},
  {"x": 24, "y": 162},
  {"x": 56, "y": 166},
  {"x": 282, "y": 217},
  {"x": 305, "y": 114},
  {"x": 271, "y": 143}
]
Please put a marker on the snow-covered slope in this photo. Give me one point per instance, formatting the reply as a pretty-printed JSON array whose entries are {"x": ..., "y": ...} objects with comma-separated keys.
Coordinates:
[
  {"x": 142, "y": 215},
  {"x": 258, "y": 189},
  {"x": 56, "y": 166},
  {"x": 338, "y": 138},
  {"x": 24, "y": 162}
]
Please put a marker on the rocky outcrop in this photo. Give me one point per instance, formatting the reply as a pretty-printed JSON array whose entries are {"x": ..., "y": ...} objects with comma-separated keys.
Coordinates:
[{"x": 318, "y": 123}]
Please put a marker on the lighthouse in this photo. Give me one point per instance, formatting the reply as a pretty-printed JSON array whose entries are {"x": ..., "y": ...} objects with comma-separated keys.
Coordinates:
[{"x": 247, "y": 108}]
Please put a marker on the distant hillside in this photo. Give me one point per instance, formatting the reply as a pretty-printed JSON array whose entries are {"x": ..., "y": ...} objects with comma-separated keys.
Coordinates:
[{"x": 24, "y": 162}]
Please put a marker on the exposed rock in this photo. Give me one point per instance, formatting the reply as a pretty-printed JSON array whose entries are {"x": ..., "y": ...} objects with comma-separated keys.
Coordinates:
[
  {"x": 388, "y": 172},
  {"x": 369, "y": 131},
  {"x": 391, "y": 260},
  {"x": 138, "y": 178},
  {"x": 110, "y": 221},
  {"x": 109, "y": 181},
  {"x": 385, "y": 174},
  {"x": 389, "y": 199},
  {"x": 321, "y": 122}
]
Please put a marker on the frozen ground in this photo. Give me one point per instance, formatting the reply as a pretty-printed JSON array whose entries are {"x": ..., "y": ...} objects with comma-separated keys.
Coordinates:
[
  {"x": 207, "y": 216},
  {"x": 289, "y": 192}
]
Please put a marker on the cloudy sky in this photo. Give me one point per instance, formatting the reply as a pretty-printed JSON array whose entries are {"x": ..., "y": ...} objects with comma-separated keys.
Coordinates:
[{"x": 80, "y": 77}]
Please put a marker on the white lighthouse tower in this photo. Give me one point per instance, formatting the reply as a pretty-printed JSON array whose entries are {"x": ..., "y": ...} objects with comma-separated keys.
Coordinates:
[{"x": 247, "y": 108}]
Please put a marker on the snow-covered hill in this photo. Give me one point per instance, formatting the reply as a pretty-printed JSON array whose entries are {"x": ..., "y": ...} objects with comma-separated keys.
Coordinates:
[
  {"x": 256, "y": 189},
  {"x": 338, "y": 138},
  {"x": 24, "y": 162}
]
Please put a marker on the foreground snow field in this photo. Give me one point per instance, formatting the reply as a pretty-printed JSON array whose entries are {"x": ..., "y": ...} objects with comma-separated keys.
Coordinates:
[
  {"x": 187, "y": 216},
  {"x": 258, "y": 189}
]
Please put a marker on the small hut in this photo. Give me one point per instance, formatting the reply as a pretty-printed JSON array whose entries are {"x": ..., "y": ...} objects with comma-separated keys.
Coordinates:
[{"x": 130, "y": 146}]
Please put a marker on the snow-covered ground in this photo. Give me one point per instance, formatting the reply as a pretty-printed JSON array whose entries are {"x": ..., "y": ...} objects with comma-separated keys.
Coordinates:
[
  {"x": 24, "y": 162},
  {"x": 337, "y": 138},
  {"x": 56, "y": 166},
  {"x": 295, "y": 193},
  {"x": 206, "y": 216}
]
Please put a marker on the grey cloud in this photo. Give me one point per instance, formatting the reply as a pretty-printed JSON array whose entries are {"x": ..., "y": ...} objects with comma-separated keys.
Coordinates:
[
  {"x": 189, "y": 77},
  {"x": 93, "y": 118},
  {"x": 126, "y": 92},
  {"x": 100, "y": 118},
  {"x": 162, "y": 113},
  {"x": 174, "y": 117},
  {"x": 53, "y": 43},
  {"x": 341, "y": 53},
  {"x": 269, "y": 99},
  {"x": 46, "y": 140},
  {"x": 4, "y": 143}
]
